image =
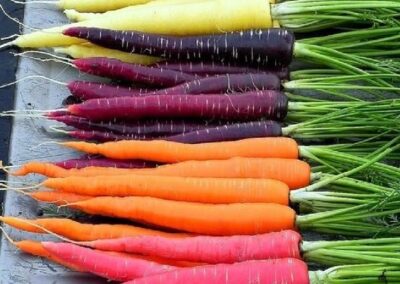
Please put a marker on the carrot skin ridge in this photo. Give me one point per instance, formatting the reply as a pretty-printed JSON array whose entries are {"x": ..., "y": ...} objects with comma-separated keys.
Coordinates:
[
  {"x": 204, "y": 190},
  {"x": 211, "y": 250},
  {"x": 287, "y": 270},
  {"x": 117, "y": 267},
  {"x": 116, "y": 69},
  {"x": 247, "y": 106},
  {"x": 198, "y": 218},
  {"x": 268, "y": 47}
]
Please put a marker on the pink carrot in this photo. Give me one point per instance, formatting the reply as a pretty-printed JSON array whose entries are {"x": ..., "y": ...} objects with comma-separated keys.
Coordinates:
[
  {"x": 274, "y": 271},
  {"x": 205, "y": 249},
  {"x": 117, "y": 267},
  {"x": 88, "y": 161},
  {"x": 116, "y": 69},
  {"x": 247, "y": 106}
]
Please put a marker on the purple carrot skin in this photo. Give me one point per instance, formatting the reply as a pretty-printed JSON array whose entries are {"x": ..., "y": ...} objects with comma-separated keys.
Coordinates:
[
  {"x": 205, "y": 249},
  {"x": 88, "y": 161},
  {"x": 247, "y": 106},
  {"x": 209, "y": 85},
  {"x": 117, "y": 267},
  {"x": 273, "y": 271},
  {"x": 93, "y": 90},
  {"x": 230, "y": 132},
  {"x": 147, "y": 127},
  {"x": 116, "y": 69},
  {"x": 209, "y": 69},
  {"x": 268, "y": 47}
]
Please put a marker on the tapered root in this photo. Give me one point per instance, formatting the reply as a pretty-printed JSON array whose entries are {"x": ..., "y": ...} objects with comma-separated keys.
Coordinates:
[
  {"x": 15, "y": 20},
  {"x": 58, "y": 130},
  {"x": 45, "y": 143},
  {"x": 7, "y": 45}
]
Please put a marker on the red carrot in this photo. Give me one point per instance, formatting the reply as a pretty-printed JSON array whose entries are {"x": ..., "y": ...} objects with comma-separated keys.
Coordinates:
[
  {"x": 116, "y": 69},
  {"x": 268, "y": 47},
  {"x": 213, "y": 250},
  {"x": 117, "y": 267},
  {"x": 90, "y": 161},
  {"x": 287, "y": 271},
  {"x": 247, "y": 106}
]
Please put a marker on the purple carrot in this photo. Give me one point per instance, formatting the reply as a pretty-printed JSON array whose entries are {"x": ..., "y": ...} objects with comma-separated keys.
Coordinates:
[
  {"x": 209, "y": 69},
  {"x": 89, "y": 161},
  {"x": 230, "y": 132},
  {"x": 209, "y": 85},
  {"x": 148, "y": 127},
  {"x": 116, "y": 69},
  {"x": 246, "y": 106},
  {"x": 226, "y": 83},
  {"x": 268, "y": 47},
  {"x": 92, "y": 90}
]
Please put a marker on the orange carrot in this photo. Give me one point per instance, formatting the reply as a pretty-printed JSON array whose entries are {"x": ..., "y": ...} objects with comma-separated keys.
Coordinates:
[
  {"x": 83, "y": 232},
  {"x": 205, "y": 190},
  {"x": 57, "y": 198},
  {"x": 294, "y": 173},
  {"x": 209, "y": 219},
  {"x": 37, "y": 249},
  {"x": 172, "y": 152}
]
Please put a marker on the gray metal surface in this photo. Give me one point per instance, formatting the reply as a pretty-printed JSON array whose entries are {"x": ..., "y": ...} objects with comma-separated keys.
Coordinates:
[{"x": 16, "y": 267}]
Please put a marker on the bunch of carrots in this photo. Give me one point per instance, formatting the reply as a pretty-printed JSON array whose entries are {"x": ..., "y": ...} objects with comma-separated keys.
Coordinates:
[{"x": 212, "y": 150}]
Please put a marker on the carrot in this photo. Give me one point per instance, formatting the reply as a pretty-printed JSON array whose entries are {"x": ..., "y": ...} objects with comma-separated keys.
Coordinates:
[
  {"x": 294, "y": 173},
  {"x": 90, "y": 50},
  {"x": 271, "y": 47},
  {"x": 212, "y": 250},
  {"x": 205, "y": 190},
  {"x": 287, "y": 270},
  {"x": 116, "y": 69},
  {"x": 83, "y": 232},
  {"x": 155, "y": 127},
  {"x": 208, "y": 219},
  {"x": 171, "y": 152},
  {"x": 245, "y": 106},
  {"x": 117, "y": 267},
  {"x": 37, "y": 249},
  {"x": 57, "y": 198},
  {"x": 194, "y": 18},
  {"x": 89, "y": 161}
]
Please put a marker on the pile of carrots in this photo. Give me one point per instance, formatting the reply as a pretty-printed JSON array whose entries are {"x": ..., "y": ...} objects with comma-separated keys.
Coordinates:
[{"x": 213, "y": 151}]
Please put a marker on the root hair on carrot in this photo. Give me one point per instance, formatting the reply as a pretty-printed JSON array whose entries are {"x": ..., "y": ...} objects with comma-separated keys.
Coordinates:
[
  {"x": 6, "y": 235},
  {"x": 53, "y": 57},
  {"x": 32, "y": 77}
]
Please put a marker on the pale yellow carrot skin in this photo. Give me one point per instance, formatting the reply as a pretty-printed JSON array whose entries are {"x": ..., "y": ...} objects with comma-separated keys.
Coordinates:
[
  {"x": 91, "y": 50},
  {"x": 77, "y": 16},
  {"x": 98, "y": 6},
  {"x": 195, "y": 18}
]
